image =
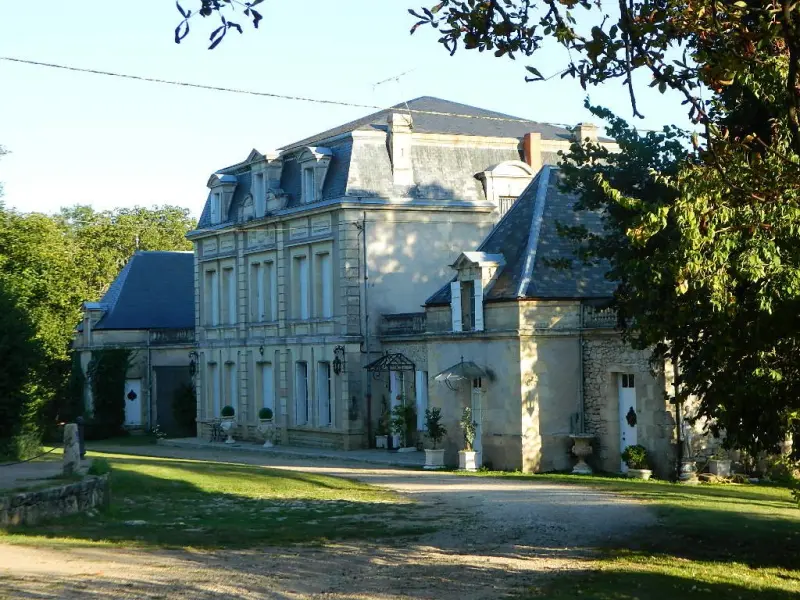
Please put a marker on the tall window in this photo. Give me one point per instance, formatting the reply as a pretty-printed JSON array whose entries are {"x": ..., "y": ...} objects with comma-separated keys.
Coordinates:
[
  {"x": 323, "y": 292},
  {"x": 468, "y": 305},
  {"x": 213, "y": 389},
  {"x": 229, "y": 283},
  {"x": 300, "y": 287},
  {"x": 301, "y": 393},
  {"x": 309, "y": 193},
  {"x": 324, "y": 393},
  {"x": 215, "y": 207},
  {"x": 259, "y": 193},
  {"x": 256, "y": 289},
  {"x": 270, "y": 292},
  {"x": 267, "y": 391},
  {"x": 211, "y": 297},
  {"x": 230, "y": 384}
]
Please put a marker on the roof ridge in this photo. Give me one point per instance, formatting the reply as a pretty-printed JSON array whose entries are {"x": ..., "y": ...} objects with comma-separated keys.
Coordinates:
[{"x": 535, "y": 230}]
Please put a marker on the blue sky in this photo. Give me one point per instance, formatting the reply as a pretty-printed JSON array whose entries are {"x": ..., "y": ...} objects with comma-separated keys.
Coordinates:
[{"x": 88, "y": 139}]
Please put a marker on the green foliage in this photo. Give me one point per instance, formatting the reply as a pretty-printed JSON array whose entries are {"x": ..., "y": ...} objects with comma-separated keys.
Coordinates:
[
  {"x": 404, "y": 418},
  {"x": 265, "y": 413},
  {"x": 189, "y": 9},
  {"x": 74, "y": 404},
  {"x": 99, "y": 466},
  {"x": 107, "y": 372},
  {"x": 635, "y": 457},
  {"x": 433, "y": 425},
  {"x": 184, "y": 407},
  {"x": 468, "y": 426},
  {"x": 227, "y": 411}
]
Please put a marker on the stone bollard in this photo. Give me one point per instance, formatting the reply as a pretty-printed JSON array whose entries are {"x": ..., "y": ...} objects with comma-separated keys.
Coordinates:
[{"x": 72, "y": 456}]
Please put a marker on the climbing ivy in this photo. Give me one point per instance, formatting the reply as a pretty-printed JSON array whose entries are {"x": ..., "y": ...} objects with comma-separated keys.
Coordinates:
[{"x": 107, "y": 372}]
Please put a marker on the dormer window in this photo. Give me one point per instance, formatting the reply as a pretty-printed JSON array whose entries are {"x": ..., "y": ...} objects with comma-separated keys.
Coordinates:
[
  {"x": 313, "y": 163},
  {"x": 215, "y": 207},
  {"x": 259, "y": 194},
  {"x": 222, "y": 187},
  {"x": 308, "y": 185},
  {"x": 476, "y": 272}
]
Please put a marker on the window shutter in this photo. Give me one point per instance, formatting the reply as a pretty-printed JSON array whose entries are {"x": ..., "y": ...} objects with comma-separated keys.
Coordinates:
[
  {"x": 421, "y": 386},
  {"x": 455, "y": 304},
  {"x": 478, "y": 287}
]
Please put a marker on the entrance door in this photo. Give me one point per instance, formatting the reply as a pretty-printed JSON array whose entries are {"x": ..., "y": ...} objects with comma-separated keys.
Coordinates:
[
  {"x": 627, "y": 414},
  {"x": 133, "y": 403},
  {"x": 477, "y": 417},
  {"x": 395, "y": 395}
]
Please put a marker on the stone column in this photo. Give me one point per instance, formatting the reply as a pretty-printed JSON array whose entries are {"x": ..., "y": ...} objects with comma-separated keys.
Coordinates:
[{"x": 72, "y": 452}]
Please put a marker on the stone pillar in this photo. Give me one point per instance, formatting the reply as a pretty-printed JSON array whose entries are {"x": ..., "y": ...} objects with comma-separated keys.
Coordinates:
[{"x": 72, "y": 452}]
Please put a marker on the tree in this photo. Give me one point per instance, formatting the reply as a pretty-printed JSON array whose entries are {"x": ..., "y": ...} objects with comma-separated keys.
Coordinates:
[
  {"x": 702, "y": 233},
  {"x": 218, "y": 9}
]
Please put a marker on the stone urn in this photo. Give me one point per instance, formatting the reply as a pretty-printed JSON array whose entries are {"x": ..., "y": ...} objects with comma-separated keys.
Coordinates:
[
  {"x": 434, "y": 459},
  {"x": 582, "y": 448},
  {"x": 227, "y": 424},
  {"x": 688, "y": 473},
  {"x": 267, "y": 429},
  {"x": 468, "y": 460},
  {"x": 639, "y": 473}
]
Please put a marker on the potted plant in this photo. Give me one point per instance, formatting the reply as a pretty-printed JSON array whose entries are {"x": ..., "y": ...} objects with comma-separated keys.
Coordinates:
[
  {"x": 720, "y": 464},
  {"x": 266, "y": 426},
  {"x": 636, "y": 459},
  {"x": 466, "y": 457},
  {"x": 434, "y": 458},
  {"x": 402, "y": 425},
  {"x": 227, "y": 413}
]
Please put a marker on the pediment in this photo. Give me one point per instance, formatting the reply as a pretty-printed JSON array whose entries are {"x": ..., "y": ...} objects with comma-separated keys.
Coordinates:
[
  {"x": 510, "y": 168},
  {"x": 315, "y": 154},
  {"x": 218, "y": 179},
  {"x": 254, "y": 156}
]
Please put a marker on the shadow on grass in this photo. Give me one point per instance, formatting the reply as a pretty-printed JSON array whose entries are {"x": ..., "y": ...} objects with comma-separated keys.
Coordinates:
[{"x": 173, "y": 503}]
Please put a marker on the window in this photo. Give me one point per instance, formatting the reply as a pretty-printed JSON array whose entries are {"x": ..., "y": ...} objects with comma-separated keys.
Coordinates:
[
  {"x": 323, "y": 292},
  {"x": 215, "y": 208},
  {"x": 229, "y": 283},
  {"x": 256, "y": 292},
  {"x": 267, "y": 385},
  {"x": 421, "y": 389},
  {"x": 211, "y": 297},
  {"x": 627, "y": 380},
  {"x": 300, "y": 287},
  {"x": 506, "y": 202},
  {"x": 467, "y": 305},
  {"x": 270, "y": 293},
  {"x": 301, "y": 393},
  {"x": 324, "y": 393},
  {"x": 309, "y": 191},
  {"x": 259, "y": 194},
  {"x": 230, "y": 384},
  {"x": 213, "y": 389}
]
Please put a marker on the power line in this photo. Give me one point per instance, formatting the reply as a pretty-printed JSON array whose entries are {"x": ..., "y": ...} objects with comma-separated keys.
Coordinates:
[{"x": 261, "y": 94}]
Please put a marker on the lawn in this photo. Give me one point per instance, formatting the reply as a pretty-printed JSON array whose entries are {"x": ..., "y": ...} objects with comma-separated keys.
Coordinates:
[
  {"x": 181, "y": 503},
  {"x": 724, "y": 541}
]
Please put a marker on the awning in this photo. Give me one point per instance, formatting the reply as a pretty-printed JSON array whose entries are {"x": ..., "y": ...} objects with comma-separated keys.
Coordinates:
[
  {"x": 463, "y": 371},
  {"x": 391, "y": 362}
]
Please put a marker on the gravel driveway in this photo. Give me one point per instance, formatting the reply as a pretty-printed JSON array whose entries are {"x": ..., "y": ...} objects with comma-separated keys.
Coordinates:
[{"x": 496, "y": 537}]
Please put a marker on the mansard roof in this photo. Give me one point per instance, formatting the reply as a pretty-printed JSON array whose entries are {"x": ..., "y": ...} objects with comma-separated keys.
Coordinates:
[
  {"x": 528, "y": 238},
  {"x": 155, "y": 290}
]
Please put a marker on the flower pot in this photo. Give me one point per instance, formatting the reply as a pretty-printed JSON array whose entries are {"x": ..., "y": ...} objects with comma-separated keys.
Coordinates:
[
  {"x": 380, "y": 441},
  {"x": 227, "y": 426},
  {"x": 640, "y": 474},
  {"x": 267, "y": 428},
  {"x": 720, "y": 468},
  {"x": 434, "y": 459},
  {"x": 468, "y": 460}
]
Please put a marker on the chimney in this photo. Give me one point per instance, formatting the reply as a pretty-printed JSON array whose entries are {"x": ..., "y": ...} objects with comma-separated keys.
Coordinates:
[
  {"x": 586, "y": 130},
  {"x": 532, "y": 150},
  {"x": 399, "y": 141}
]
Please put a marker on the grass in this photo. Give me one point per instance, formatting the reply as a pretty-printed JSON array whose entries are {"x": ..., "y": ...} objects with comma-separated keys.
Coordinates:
[
  {"x": 725, "y": 541},
  {"x": 159, "y": 502}
]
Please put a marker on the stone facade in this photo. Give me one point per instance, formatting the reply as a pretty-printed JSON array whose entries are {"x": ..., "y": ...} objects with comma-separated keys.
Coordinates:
[{"x": 29, "y": 508}]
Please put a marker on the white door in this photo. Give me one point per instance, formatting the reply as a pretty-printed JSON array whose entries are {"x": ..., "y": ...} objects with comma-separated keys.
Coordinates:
[
  {"x": 133, "y": 403},
  {"x": 627, "y": 414},
  {"x": 477, "y": 417}
]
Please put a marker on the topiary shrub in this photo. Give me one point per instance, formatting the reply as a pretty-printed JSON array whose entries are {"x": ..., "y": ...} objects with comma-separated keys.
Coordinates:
[
  {"x": 265, "y": 413},
  {"x": 469, "y": 427},
  {"x": 433, "y": 425},
  {"x": 227, "y": 412},
  {"x": 635, "y": 457}
]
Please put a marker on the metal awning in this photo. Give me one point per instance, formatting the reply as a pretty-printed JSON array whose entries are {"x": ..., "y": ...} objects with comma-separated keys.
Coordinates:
[
  {"x": 391, "y": 362},
  {"x": 463, "y": 371}
]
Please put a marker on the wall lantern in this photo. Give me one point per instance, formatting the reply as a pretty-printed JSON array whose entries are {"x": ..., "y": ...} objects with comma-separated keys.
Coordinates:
[
  {"x": 193, "y": 356},
  {"x": 261, "y": 350},
  {"x": 338, "y": 360}
]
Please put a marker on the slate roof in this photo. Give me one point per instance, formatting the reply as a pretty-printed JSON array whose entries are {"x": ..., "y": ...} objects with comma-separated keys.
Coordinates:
[
  {"x": 528, "y": 239},
  {"x": 155, "y": 290}
]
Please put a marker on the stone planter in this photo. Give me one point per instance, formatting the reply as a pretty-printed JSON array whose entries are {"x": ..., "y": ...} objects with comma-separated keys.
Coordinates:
[
  {"x": 720, "y": 468},
  {"x": 267, "y": 428},
  {"x": 468, "y": 460},
  {"x": 582, "y": 448},
  {"x": 227, "y": 426},
  {"x": 639, "y": 474},
  {"x": 381, "y": 442},
  {"x": 434, "y": 459}
]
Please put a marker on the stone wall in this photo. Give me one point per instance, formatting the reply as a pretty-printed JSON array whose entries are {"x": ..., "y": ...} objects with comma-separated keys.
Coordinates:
[
  {"x": 605, "y": 356},
  {"x": 28, "y": 508}
]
